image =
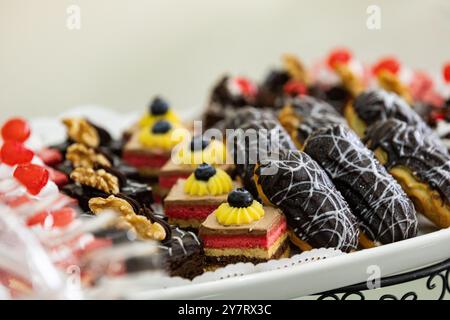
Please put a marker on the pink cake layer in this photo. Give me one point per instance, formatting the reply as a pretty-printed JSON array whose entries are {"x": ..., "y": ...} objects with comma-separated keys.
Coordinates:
[
  {"x": 245, "y": 241},
  {"x": 143, "y": 160},
  {"x": 189, "y": 212}
]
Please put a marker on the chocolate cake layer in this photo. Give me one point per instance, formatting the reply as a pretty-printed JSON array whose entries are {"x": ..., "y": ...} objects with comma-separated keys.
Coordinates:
[
  {"x": 385, "y": 213},
  {"x": 271, "y": 218}
]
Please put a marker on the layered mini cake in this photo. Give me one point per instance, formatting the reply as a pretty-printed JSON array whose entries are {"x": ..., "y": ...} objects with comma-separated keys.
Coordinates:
[
  {"x": 190, "y": 201},
  {"x": 243, "y": 230},
  {"x": 190, "y": 154},
  {"x": 150, "y": 147}
]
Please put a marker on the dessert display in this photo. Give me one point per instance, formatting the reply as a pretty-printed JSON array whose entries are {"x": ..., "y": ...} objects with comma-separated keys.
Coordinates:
[
  {"x": 316, "y": 213},
  {"x": 243, "y": 230},
  {"x": 384, "y": 212},
  {"x": 191, "y": 200},
  {"x": 190, "y": 154},
  {"x": 337, "y": 156},
  {"x": 303, "y": 115},
  {"x": 412, "y": 158}
]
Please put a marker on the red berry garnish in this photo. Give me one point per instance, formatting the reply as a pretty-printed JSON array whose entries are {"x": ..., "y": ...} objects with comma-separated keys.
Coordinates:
[
  {"x": 246, "y": 86},
  {"x": 446, "y": 72},
  {"x": 294, "y": 88},
  {"x": 32, "y": 176},
  {"x": 390, "y": 64},
  {"x": 16, "y": 129},
  {"x": 56, "y": 219},
  {"x": 14, "y": 152},
  {"x": 340, "y": 55}
]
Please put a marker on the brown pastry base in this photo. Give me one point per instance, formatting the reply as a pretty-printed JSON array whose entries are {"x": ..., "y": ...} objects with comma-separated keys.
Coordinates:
[
  {"x": 426, "y": 200},
  {"x": 302, "y": 245},
  {"x": 290, "y": 121},
  {"x": 365, "y": 242},
  {"x": 354, "y": 121}
]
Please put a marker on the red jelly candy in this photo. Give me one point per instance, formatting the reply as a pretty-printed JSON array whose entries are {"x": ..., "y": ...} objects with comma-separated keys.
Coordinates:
[
  {"x": 246, "y": 86},
  {"x": 446, "y": 72},
  {"x": 14, "y": 152},
  {"x": 340, "y": 55},
  {"x": 16, "y": 129},
  {"x": 294, "y": 88},
  {"x": 390, "y": 64},
  {"x": 32, "y": 176}
]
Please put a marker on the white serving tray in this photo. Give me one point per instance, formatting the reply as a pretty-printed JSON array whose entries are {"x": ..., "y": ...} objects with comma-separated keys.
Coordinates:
[{"x": 293, "y": 282}]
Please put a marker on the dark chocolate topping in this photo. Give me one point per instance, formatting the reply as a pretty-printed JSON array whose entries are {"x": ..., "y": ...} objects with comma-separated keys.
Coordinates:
[
  {"x": 375, "y": 105},
  {"x": 204, "y": 172},
  {"x": 158, "y": 107},
  {"x": 240, "y": 198},
  {"x": 314, "y": 114},
  {"x": 199, "y": 143},
  {"x": 181, "y": 251},
  {"x": 103, "y": 134},
  {"x": 315, "y": 211},
  {"x": 161, "y": 127},
  {"x": 385, "y": 214},
  {"x": 407, "y": 146},
  {"x": 256, "y": 141},
  {"x": 275, "y": 80}
]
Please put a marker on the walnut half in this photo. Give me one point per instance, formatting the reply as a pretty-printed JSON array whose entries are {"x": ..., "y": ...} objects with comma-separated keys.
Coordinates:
[
  {"x": 83, "y": 156},
  {"x": 79, "y": 130},
  {"x": 143, "y": 227},
  {"x": 98, "y": 179}
]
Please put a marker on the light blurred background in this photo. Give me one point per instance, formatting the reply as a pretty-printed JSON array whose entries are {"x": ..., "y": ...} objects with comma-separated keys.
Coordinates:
[{"x": 128, "y": 51}]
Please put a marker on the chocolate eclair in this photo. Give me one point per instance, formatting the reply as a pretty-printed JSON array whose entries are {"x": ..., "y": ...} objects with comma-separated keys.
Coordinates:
[
  {"x": 304, "y": 114},
  {"x": 413, "y": 159},
  {"x": 317, "y": 214},
  {"x": 255, "y": 141},
  {"x": 373, "y": 105},
  {"x": 384, "y": 212}
]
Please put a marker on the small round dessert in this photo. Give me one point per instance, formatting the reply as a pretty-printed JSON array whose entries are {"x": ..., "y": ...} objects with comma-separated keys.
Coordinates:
[
  {"x": 255, "y": 141},
  {"x": 305, "y": 114},
  {"x": 384, "y": 212},
  {"x": 412, "y": 158},
  {"x": 159, "y": 109},
  {"x": 374, "y": 105},
  {"x": 316, "y": 212}
]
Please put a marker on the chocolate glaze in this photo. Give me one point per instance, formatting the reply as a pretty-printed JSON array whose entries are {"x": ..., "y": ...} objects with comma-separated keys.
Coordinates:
[
  {"x": 315, "y": 211},
  {"x": 375, "y": 105},
  {"x": 407, "y": 146},
  {"x": 314, "y": 114},
  {"x": 268, "y": 136},
  {"x": 385, "y": 214},
  {"x": 270, "y": 92},
  {"x": 337, "y": 96},
  {"x": 183, "y": 254}
]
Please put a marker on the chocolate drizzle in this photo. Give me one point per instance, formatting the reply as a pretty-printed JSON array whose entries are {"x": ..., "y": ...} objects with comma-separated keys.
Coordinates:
[
  {"x": 256, "y": 141},
  {"x": 384, "y": 212},
  {"x": 315, "y": 211},
  {"x": 375, "y": 105},
  {"x": 407, "y": 146},
  {"x": 314, "y": 114}
]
